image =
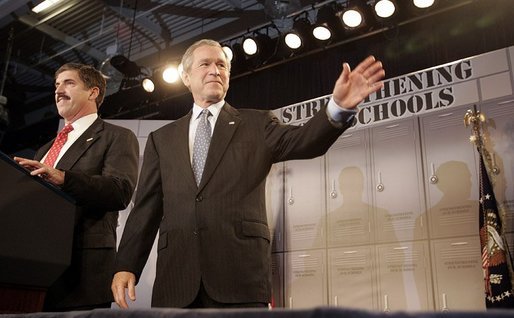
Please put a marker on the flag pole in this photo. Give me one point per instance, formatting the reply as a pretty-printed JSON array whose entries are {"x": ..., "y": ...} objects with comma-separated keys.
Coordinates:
[{"x": 496, "y": 260}]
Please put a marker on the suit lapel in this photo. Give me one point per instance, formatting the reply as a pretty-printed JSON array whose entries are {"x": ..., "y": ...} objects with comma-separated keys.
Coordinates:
[
  {"x": 181, "y": 149},
  {"x": 88, "y": 138},
  {"x": 226, "y": 125}
]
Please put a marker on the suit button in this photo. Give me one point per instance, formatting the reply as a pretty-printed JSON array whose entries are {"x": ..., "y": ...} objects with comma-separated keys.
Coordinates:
[
  {"x": 195, "y": 233},
  {"x": 199, "y": 198}
]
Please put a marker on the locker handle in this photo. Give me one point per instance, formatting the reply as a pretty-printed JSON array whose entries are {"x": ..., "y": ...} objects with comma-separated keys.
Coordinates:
[
  {"x": 333, "y": 193},
  {"x": 433, "y": 178},
  {"x": 290, "y": 201},
  {"x": 380, "y": 185},
  {"x": 386, "y": 304},
  {"x": 445, "y": 304},
  {"x": 445, "y": 115},
  {"x": 392, "y": 126}
]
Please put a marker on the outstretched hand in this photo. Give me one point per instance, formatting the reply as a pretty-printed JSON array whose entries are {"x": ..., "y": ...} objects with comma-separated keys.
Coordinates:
[
  {"x": 352, "y": 87},
  {"x": 37, "y": 168}
]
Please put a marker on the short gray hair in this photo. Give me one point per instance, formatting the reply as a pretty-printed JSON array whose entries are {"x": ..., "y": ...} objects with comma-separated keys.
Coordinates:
[{"x": 187, "y": 58}]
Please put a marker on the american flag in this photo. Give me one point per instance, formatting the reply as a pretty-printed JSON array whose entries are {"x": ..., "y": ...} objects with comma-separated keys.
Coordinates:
[{"x": 498, "y": 286}]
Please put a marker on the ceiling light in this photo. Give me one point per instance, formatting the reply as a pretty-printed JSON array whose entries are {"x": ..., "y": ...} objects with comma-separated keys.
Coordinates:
[
  {"x": 44, "y": 5},
  {"x": 148, "y": 84},
  {"x": 328, "y": 25},
  {"x": 300, "y": 36},
  {"x": 422, "y": 4},
  {"x": 228, "y": 52},
  {"x": 170, "y": 74},
  {"x": 384, "y": 8},
  {"x": 250, "y": 46},
  {"x": 352, "y": 18},
  {"x": 322, "y": 32}
]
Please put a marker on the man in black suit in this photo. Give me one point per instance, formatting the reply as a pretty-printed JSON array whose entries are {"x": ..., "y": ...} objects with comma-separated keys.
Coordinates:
[
  {"x": 214, "y": 241},
  {"x": 96, "y": 164}
]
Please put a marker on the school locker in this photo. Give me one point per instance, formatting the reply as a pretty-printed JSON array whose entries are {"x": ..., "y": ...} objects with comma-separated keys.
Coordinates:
[
  {"x": 304, "y": 194},
  {"x": 305, "y": 279},
  {"x": 457, "y": 271},
  {"x": 351, "y": 280},
  {"x": 404, "y": 277},
  {"x": 399, "y": 208},
  {"x": 451, "y": 179},
  {"x": 349, "y": 203}
]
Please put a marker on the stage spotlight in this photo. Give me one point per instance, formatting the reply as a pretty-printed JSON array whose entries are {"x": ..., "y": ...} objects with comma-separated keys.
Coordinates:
[
  {"x": 170, "y": 74},
  {"x": 327, "y": 25},
  {"x": 228, "y": 52},
  {"x": 384, "y": 8},
  {"x": 423, "y": 4},
  {"x": 300, "y": 36},
  {"x": 353, "y": 16},
  {"x": 250, "y": 46},
  {"x": 258, "y": 48},
  {"x": 148, "y": 84}
]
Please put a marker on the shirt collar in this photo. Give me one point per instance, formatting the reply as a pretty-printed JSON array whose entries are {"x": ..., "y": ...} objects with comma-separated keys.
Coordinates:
[{"x": 214, "y": 109}]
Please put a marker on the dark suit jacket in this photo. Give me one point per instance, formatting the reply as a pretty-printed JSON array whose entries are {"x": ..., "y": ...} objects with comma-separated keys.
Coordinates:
[
  {"x": 100, "y": 174},
  {"x": 218, "y": 232}
]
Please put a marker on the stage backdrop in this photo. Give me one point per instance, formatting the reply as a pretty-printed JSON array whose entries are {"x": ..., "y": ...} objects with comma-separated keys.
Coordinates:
[{"x": 388, "y": 218}]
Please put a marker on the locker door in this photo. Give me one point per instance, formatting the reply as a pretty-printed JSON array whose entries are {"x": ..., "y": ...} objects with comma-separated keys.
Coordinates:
[
  {"x": 305, "y": 279},
  {"x": 275, "y": 205},
  {"x": 397, "y": 176},
  {"x": 499, "y": 135},
  {"x": 350, "y": 277},
  {"x": 349, "y": 207},
  {"x": 451, "y": 174},
  {"x": 304, "y": 204},
  {"x": 404, "y": 276},
  {"x": 458, "y": 277}
]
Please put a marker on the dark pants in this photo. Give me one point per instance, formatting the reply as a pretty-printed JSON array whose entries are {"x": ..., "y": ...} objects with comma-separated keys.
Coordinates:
[{"x": 203, "y": 300}]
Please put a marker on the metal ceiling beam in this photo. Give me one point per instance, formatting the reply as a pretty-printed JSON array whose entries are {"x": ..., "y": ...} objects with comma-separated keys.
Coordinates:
[
  {"x": 8, "y": 6},
  {"x": 60, "y": 36}
]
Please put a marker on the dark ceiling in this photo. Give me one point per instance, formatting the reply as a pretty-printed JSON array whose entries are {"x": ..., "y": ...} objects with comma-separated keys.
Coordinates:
[{"x": 152, "y": 33}]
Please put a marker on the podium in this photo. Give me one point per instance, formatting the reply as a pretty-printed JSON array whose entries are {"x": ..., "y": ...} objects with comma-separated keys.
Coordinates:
[{"x": 36, "y": 237}]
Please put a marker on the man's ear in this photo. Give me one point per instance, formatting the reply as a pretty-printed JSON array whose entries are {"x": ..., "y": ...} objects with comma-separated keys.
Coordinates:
[
  {"x": 185, "y": 78},
  {"x": 94, "y": 93}
]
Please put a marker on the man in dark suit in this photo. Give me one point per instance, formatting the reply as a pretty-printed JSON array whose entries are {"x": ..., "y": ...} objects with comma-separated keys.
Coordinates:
[
  {"x": 96, "y": 164},
  {"x": 214, "y": 241}
]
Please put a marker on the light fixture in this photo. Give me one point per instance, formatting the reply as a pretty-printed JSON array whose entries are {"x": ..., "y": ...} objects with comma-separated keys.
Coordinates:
[
  {"x": 228, "y": 52},
  {"x": 327, "y": 25},
  {"x": 125, "y": 66},
  {"x": 299, "y": 37},
  {"x": 148, "y": 84},
  {"x": 170, "y": 74},
  {"x": 423, "y": 4},
  {"x": 257, "y": 44},
  {"x": 384, "y": 8},
  {"x": 44, "y": 5}
]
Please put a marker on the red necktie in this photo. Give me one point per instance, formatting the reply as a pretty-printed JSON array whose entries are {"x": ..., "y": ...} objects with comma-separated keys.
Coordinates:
[{"x": 59, "y": 141}]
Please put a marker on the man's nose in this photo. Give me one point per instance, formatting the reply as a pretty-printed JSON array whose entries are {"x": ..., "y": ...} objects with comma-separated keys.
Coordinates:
[
  {"x": 214, "y": 69},
  {"x": 58, "y": 89}
]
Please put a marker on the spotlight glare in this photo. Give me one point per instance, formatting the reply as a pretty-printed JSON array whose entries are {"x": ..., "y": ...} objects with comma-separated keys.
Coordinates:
[
  {"x": 422, "y": 4},
  {"x": 228, "y": 52},
  {"x": 293, "y": 41},
  {"x": 170, "y": 74},
  {"x": 322, "y": 33},
  {"x": 148, "y": 85},
  {"x": 352, "y": 18},
  {"x": 250, "y": 46},
  {"x": 384, "y": 8}
]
